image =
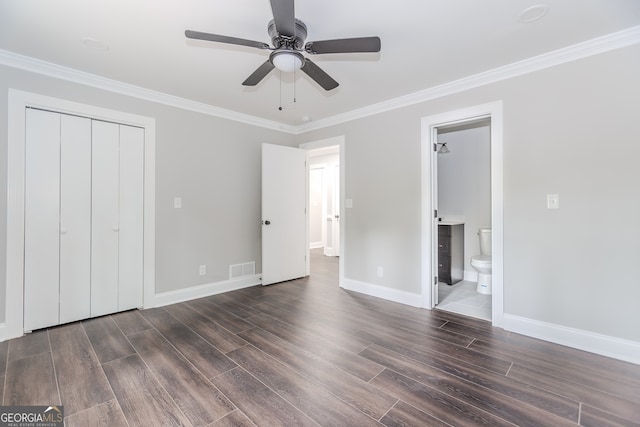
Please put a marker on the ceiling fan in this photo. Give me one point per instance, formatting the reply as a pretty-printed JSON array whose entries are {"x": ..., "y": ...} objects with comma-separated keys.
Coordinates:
[{"x": 288, "y": 35}]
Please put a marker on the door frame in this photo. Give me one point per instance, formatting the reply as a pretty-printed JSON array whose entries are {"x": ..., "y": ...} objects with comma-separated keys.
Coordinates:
[
  {"x": 322, "y": 143},
  {"x": 18, "y": 102},
  {"x": 429, "y": 124}
]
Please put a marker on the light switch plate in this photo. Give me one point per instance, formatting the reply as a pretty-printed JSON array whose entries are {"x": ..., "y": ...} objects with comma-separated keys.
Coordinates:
[
  {"x": 553, "y": 201},
  {"x": 177, "y": 202},
  {"x": 348, "y": 203}
]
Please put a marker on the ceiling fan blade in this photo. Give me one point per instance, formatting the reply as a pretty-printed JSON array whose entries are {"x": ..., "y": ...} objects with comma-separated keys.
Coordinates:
[
  {"x": 259, "y": 74},
  {"x": 224, "y": 39},
  {"x": 284, "y": 17},
  {"x": 318, "y": 75},
  {"x": 355, "y": 45}
]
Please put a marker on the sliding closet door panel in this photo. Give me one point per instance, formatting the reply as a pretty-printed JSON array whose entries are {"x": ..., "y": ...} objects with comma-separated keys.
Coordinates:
[
  {"x": 104, "y": 225},
  {"x": 131, "y": 217},
  {"x": 75, "y": 218},
  {"x": 41, "y": 217}
]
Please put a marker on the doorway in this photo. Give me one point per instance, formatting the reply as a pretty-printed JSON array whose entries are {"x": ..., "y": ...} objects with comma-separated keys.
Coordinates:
[
  {"x": 463, "y": 175},
  {"x": 431, "y": 127},
  {"x": 325, "y": 179}
]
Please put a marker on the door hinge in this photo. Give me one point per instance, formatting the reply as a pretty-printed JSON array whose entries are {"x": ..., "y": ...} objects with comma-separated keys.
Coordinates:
[
  {"x": 435, "y": 280},
  {"x": 435, "y": 213},
  {"x": 435, "y": 147}
]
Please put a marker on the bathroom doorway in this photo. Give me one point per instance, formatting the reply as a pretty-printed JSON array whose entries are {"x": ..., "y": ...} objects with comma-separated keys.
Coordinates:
[
  {"x": 467, "y": 206},
  {"x": 463, "y": 159}
]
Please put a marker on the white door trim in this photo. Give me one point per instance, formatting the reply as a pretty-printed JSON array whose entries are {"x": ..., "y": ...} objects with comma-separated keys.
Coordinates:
[
  {"x": 429, "y": 269},
  {"x": 329, "y": 142},
  {"x": 18, "y": 102}
]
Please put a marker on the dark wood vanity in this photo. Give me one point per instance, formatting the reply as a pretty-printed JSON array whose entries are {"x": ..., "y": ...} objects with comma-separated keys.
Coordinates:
[{"x": 450, "y": 252}]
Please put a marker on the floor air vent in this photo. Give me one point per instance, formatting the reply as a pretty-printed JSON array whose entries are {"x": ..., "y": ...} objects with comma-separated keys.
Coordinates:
[{"x": 242, "y": 270}]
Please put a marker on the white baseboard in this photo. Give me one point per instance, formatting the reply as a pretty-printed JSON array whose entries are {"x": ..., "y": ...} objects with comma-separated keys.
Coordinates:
[
  {"x": 617, "y": 348},
  {"x": 181, "y": 295},
  {"x": 3, "y": 332},
  {"x": 395, "y": 295},
  {"x": 470, "y": 276},
  {"x": 315, "y": 245}
]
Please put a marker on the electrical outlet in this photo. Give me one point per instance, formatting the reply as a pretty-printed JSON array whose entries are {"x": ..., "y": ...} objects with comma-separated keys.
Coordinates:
[
  {"x": 203, "y": 270},
  {"x": 380, "y": 272},
  {"x": 553, "y": 201}
]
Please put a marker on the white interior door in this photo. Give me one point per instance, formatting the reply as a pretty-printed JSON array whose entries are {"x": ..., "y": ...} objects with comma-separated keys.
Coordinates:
[
  {"x": 316, "y": 210},
  {"x": 105, "y": 226},
  {"x": 75, "y": 218},
  {"x": 332, "y": 201},
  {"x": 41, "y": 219},
  {"x": 283, "y": 213},
  {"x": 131, "y": 214}
]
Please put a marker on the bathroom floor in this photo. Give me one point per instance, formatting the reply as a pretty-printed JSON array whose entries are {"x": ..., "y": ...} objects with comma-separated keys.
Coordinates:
[{"x": 462, "y": 298}]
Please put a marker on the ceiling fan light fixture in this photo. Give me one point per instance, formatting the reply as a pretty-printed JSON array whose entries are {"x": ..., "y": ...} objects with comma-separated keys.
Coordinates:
[{"x": 287, "y": 61}]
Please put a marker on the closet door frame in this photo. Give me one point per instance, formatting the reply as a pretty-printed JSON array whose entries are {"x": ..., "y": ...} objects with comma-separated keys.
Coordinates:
[{"x": 19, "y": 101}]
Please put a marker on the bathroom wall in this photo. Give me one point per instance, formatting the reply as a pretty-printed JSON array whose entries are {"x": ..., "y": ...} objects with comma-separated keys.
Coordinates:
[{"x": 464, "y": 183}]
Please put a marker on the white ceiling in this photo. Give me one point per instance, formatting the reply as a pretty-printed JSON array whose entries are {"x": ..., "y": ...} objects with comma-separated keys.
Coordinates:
[{"x": 425, "y": 43}]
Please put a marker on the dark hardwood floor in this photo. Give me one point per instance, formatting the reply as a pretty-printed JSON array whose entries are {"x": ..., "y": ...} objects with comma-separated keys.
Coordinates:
[{"x": 306, "y": 352}]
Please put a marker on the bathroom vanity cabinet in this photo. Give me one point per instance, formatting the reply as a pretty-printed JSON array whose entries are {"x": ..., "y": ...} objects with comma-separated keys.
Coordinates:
[{"x": 450, "y": 252}]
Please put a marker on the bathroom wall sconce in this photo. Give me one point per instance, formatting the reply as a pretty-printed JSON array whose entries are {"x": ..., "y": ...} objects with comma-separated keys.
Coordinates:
[{"x": 442, "y": 148}]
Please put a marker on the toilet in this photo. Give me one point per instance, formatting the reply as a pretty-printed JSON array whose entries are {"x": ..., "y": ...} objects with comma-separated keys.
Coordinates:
[{"x": 482, "y": 262}]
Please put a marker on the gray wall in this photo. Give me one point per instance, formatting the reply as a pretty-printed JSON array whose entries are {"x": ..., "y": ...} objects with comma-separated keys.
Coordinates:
[
  {"x": 197, "y": 156},
  {"x": 464, "y": 184},
  {"x": 570, "y": 129}
]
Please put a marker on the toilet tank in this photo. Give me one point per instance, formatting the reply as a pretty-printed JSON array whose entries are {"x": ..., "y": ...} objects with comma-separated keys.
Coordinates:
[{"x": 485, "y": 241}]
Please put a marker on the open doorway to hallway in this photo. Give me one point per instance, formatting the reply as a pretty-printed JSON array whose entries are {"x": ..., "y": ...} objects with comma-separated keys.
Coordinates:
[
  {"x": 324, "y": 204},
  {"x": 325, "y": 173}
]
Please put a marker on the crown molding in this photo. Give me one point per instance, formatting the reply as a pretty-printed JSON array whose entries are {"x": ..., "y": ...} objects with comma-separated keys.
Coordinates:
[
  {"x": 581, "y": 50},
  {"x": 49, "y": 69}
]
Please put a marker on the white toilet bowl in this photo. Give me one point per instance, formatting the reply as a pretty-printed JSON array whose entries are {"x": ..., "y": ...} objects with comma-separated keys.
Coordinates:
[{"x": 482, "y": 262}]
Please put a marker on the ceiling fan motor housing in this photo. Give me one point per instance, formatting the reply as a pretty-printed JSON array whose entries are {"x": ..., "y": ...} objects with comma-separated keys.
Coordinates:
[{"x": 291, "y": 41}]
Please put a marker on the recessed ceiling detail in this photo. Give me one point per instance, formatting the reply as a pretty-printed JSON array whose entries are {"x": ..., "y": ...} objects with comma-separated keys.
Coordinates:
[{"x": 533, "y": 13}]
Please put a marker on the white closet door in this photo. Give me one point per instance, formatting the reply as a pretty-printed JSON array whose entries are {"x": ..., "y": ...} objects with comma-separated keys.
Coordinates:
[
  {"x": 41, "y": 217},
  {"x": 131, "y": 217},
  {"x": 75, "y": 218},
  {"x": 104, "y": 225}
]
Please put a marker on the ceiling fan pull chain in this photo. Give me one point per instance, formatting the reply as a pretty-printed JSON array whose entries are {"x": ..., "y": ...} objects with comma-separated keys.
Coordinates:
[
  {"x": 280, "y": 107},
  {"x": 294, "y": 86}
]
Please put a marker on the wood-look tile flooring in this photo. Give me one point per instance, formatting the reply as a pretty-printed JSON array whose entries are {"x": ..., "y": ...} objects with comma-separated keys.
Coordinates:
[{"x": 307, "y": 353}]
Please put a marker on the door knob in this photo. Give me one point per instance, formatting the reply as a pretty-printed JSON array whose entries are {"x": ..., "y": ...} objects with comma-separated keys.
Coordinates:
[
  {"x": 63, "y": 231},
  {"x": 116, "y": 228},
  {"x": 267, "y": 222}
]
